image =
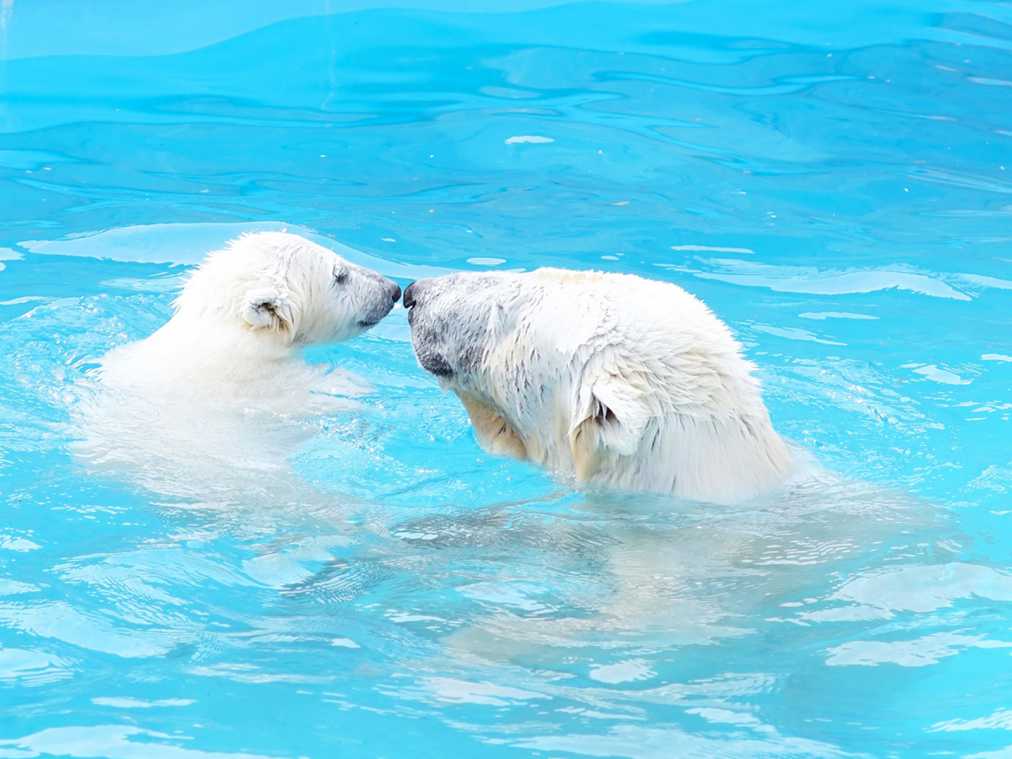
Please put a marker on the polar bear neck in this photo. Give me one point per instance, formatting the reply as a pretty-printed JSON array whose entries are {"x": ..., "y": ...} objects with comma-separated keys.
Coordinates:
[
  {"x": 193, "y": 356},
  {"x": 224, "y": 340},
  {"x": 687, "y": 448}
]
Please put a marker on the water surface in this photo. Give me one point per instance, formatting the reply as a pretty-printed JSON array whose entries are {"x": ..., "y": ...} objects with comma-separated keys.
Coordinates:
[{"x": 834, "y": 182}]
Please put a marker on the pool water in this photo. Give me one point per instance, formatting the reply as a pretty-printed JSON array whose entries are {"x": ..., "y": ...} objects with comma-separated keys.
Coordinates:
[{"x": 834, "y": 180}]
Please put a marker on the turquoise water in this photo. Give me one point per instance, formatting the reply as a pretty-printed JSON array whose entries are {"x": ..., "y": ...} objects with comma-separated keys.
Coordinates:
[{"x": 836, "y": 182}]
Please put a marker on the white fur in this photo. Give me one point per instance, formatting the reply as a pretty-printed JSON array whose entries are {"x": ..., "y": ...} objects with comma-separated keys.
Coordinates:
[
  {"x": 614, "y": 379},
  {"x": 246, "y": 310},
  {"x": 219, "y": 395}
]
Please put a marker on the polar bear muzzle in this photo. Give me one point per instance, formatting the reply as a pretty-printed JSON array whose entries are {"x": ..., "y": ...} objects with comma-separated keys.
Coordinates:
[{"x": 448, "y": 331}]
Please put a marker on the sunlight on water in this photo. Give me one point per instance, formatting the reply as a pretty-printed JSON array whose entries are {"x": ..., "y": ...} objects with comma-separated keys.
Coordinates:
[{"x": 341, "y": 571}]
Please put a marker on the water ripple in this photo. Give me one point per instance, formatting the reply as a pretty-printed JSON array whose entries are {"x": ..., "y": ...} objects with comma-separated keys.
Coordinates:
[{"x": 832, "y": 180}]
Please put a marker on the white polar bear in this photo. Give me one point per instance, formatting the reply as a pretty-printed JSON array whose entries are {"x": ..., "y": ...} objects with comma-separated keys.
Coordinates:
[
  {"x": 614, "y": 379},
  {"x": 219, "y": 396},
  {"x": 246, "y": 310}
]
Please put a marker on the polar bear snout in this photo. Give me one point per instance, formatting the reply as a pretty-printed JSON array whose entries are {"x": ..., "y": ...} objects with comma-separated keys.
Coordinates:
[
  {"x": 409, "y": 295},
  {"x": 421, "y": 291},
  {"x": 437, "y": 327},
  {"x": 414, "y": 295},
  {"x": 395, "y": 292},
  {"x": 386, "y": 293}
]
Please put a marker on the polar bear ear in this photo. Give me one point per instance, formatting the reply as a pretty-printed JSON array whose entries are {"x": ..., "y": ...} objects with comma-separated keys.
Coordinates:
[
  {"x": 612, "y": 418},
  {"x": 266, "y": 308},
  {"x": 621, "y": 415}
]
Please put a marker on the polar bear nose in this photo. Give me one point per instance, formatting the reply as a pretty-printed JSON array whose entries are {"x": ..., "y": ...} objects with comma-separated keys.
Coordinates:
[
  {"x": 395, "y": 291},
  {"x": 409, "y": 295}
]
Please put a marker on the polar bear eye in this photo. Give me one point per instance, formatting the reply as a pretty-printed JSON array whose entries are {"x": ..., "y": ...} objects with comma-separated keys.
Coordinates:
[{"x": 340, "y": 276}]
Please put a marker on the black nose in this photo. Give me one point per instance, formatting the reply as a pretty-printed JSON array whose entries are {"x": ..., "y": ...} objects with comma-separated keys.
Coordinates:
[
  {"x": 395, "y": 293},
  {"x": 409, "y": 295}
]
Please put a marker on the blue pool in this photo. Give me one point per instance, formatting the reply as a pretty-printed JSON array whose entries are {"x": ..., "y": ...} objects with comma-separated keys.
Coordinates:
[{"x": 835, "y": 180}]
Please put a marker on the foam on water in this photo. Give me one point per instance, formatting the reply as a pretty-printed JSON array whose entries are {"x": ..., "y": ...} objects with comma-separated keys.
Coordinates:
[{"x": 361, "y": 579}]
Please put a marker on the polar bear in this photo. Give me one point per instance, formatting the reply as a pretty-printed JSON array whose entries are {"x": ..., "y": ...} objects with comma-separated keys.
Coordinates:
[
  {"x": 247, "y": 309},
  {"x": 612, "y": 379},
  {"x": 218, "y": 397}
]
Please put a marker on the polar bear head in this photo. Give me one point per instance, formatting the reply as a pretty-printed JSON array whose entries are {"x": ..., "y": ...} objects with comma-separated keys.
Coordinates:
[
  {"x": 287, "y": 289},
  {"x": 612, "y": 378}
]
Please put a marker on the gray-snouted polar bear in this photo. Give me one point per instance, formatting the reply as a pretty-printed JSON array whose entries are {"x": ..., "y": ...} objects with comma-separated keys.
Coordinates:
[
  {"x": 613, "y": 379},
  {"x": 217, "y": 398}
]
